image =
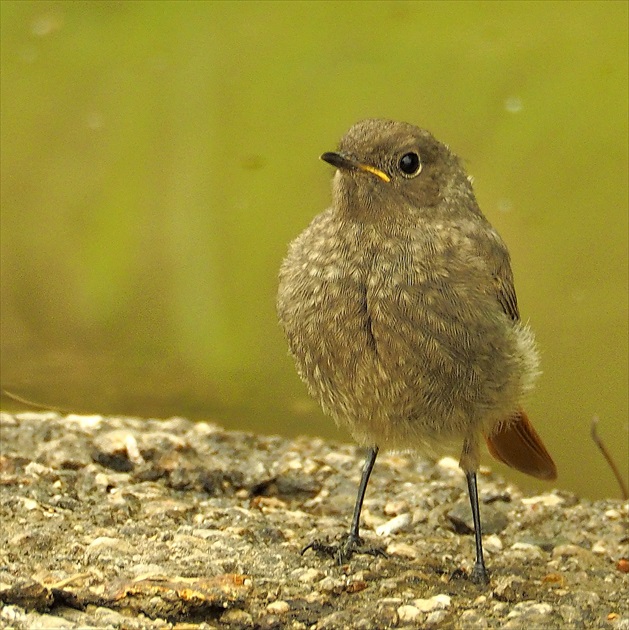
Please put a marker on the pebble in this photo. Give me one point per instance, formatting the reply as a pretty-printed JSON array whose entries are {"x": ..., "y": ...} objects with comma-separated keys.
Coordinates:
[
  {"x": 329, "y": 584},
  {"x": 311, "y": 575},
  {"x": 118, "y": 445},
  {"x": 437, "y": 602},
  {"x": 36, "y": 416},
  {"x": 278, "y": 607},
  {"x": 86, "y": 423},
  {"x": 450, "y": 466},
  {"x": 472, "y": 619},
  {"x": 48, "y": 622},
  {"x": 566, "y": 551},
  {"x": 238, "y": 617},
  {"x": 570, "y": 614},
  {"x": 393, "y": 508},
  {"x": 387, "y": 617},
  {"x": 408, "y": 613},
  {"x": 527, "y": 551},
  {"x": 494, "y": 519},
  {"x": 36, "y": 469},
  {"x": 29, "y": 504},
  {"x": 435, "y": 619},
  {"x": 402, "y": 549},
  {"x": 509, "y": 588},
  {"x": 107, "y": 547},
  {"x": 396, "y": 524},
  {"x": 548, "y": 500},
  {"x": 8, "y": 420},
  {"x": 530, "y": 608},
  {"x": 492, "y": 543},
  {"x": 147, "y": 571},
  {"x": 10, "y": 614}
]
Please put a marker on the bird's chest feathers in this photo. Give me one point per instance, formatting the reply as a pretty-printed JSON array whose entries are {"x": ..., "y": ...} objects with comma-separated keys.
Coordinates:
[
  {"x": 392, "y": 300},
  {"x": 387, "y": 276}
]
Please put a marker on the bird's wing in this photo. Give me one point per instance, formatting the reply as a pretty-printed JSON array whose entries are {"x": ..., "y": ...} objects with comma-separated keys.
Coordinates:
[
  {"x": 505, "y": 291},
  {"x": 514, "y": 441}
]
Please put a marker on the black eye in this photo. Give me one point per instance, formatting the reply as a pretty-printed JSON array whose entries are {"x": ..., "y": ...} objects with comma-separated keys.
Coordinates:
[{"x": 410, "y": 164}]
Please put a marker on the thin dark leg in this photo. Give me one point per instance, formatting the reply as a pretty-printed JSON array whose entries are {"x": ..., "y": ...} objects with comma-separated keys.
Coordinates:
[
  {"x": 352, "y": 542},
  {"x": 479, "y": 573},
  {"x": 372, "y": 453}
]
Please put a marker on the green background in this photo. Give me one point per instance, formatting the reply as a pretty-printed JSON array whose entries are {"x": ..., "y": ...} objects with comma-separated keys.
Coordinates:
[{"x": 157, "y": 158}]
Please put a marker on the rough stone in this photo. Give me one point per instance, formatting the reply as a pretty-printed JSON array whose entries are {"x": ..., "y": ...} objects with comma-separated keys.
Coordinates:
[{"x": 144, "y": 524}]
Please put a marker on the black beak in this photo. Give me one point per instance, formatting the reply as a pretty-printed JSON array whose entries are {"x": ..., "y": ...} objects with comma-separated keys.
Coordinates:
[
  {"x": 338, "y": 160},
  {"x": 342, "y": 162}
]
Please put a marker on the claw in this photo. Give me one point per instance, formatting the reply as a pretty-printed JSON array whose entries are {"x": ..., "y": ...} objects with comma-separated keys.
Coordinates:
[
  {"x": 344, "y": 549},
  {"x": 479, "y": 574}
]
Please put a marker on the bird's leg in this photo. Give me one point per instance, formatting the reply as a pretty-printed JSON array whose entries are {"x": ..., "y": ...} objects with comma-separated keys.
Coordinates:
[
  {"x": 479, "y": 573},
  {"x": 470, "y": 459},
  {"x": 352, "y": 543}
]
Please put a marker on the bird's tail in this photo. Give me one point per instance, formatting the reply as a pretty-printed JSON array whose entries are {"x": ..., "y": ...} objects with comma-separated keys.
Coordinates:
[{"x": 517, "y": 444}]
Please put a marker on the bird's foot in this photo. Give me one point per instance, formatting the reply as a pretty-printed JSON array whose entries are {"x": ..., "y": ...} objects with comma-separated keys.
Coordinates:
[
  {"x": 479, "y": 574},
  {"x": 344, "y": 549}
]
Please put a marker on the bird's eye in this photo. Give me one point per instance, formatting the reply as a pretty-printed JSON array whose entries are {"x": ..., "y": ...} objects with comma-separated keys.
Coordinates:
[{"x": 410, "y": 164}]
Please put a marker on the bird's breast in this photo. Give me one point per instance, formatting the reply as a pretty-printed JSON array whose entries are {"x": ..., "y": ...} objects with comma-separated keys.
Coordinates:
[{"x": 386, "y": 330}]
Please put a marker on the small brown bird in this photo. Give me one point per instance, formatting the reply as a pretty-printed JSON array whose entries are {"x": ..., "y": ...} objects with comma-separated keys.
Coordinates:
[{"x": 401, "y": 315}]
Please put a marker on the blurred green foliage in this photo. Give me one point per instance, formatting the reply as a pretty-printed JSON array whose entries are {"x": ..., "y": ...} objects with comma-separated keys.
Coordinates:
[{"x": 157, "y": 157}]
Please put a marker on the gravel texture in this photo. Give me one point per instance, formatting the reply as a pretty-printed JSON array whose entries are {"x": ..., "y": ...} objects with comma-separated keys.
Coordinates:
[{"x": 112, "y": 522}]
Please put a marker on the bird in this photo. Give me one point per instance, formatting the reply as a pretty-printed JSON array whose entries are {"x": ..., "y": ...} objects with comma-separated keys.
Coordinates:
[{"x": 399, "y": 309}]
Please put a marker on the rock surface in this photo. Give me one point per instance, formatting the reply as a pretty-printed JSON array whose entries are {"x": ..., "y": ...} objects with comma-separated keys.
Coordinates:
[{"x": 112, "y": 522}]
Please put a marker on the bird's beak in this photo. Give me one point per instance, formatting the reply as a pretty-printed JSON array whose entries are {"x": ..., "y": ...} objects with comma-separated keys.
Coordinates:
[{"x": 340, "y": 161}]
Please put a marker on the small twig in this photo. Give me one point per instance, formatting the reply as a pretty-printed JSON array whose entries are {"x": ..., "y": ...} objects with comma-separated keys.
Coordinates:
[
  {"x": 30, "y": 403},
  {"x": 612, "y": 464},
  {"x": 68, "y": 580}
]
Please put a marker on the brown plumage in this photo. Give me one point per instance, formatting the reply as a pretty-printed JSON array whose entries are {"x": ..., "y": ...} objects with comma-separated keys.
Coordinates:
[
  {"x": 400, "y": 311},
  {"x": 516, "y": 444}
]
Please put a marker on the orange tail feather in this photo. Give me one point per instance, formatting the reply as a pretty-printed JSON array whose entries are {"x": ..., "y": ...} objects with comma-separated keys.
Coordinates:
[{"x": 517, "y": 444}]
